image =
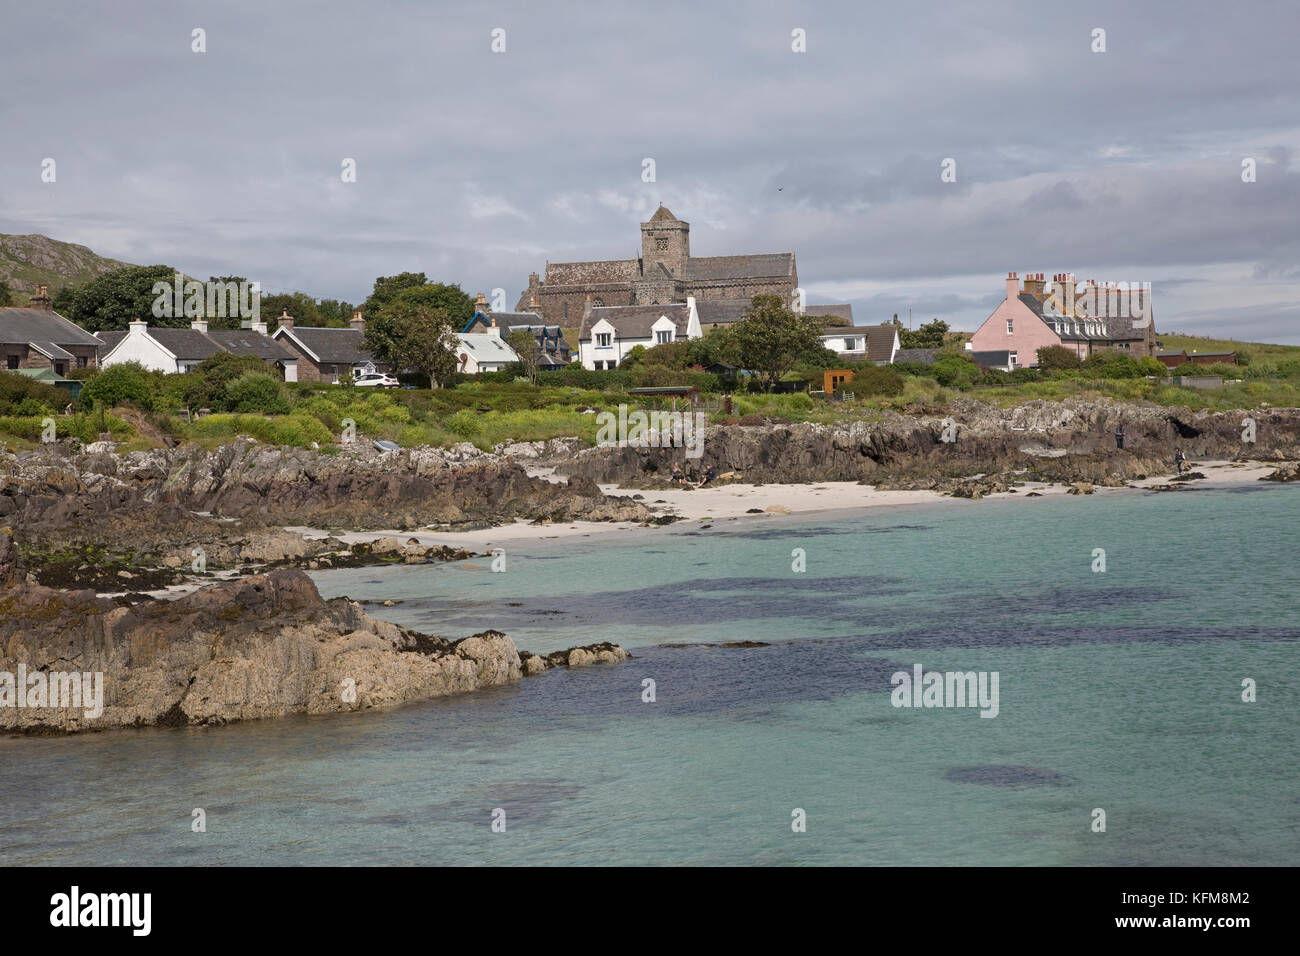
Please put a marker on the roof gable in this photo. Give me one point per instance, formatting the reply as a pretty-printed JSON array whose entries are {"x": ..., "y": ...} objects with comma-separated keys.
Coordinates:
[{"x": 21, "y": 326}]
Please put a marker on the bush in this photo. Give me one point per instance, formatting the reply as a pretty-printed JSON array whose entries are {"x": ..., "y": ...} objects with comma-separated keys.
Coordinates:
[
  {"x": 876, "y": 380},
  {"x": 205, "y": 387},
  {"x": 127, "y": 382},
  {"x": 297, "y": 430},
  {"x": 256, "y": 392},
  {"x": 1057, "y": 358},
  {"x": 955, "y": 371},
  {"x": 20, "y": 391}
]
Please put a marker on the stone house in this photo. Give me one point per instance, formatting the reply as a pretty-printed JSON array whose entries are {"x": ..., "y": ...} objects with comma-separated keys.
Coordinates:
[
  {"x": 327, "y": 354},
  {"x": 37, "y": 337}
]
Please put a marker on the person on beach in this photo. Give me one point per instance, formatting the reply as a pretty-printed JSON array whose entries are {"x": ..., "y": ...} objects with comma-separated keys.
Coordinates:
[
  {"x": 678, "y": 477},
  {"x": 709, "y": 475},
  {"x": 1179, "y": 458},
  {"x": 1119, "y": 437}
]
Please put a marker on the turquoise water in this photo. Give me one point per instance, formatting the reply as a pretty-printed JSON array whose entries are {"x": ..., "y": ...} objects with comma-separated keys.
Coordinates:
[{"x": 1118, "y": 690}]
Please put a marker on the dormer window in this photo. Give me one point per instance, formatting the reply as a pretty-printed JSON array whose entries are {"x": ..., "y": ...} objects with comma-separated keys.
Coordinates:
[
  {"x": 663, "y": 336},
  {"x": 602, "y": 340}
]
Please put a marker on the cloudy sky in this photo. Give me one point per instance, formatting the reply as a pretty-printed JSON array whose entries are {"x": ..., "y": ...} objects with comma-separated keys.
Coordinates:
[{"x": 476, "y": 167}]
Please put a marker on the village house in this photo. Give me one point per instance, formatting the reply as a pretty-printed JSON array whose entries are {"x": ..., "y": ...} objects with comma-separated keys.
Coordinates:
[
  {"x": 175, "y": 351},
  {"x": 608, "y": 333},
  {"x": 867, "y": 343},
  {"x": 1103, "y": 317},
  {"x": 723, "y": 313},
  {"x": 37, "y": 337},
  {"x": 478, "y": 352},
  {"x": 553, "y": 351},
  {"x": 328, "y": 354}
]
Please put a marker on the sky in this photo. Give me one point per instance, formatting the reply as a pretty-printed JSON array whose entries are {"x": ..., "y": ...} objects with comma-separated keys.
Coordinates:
[{"x": 476, "y": 167}]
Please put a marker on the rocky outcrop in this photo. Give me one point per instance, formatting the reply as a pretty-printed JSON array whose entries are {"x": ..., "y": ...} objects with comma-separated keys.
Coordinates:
[
  {"x": 257, "y": 647},
  {"x": 1052, "y": 441},
  {"x": 155, "y": 508},
  {"x": 602, "y": 653}
]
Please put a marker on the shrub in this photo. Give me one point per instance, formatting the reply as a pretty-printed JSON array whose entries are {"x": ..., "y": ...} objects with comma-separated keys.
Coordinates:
[
  {"x": 955, "y": 371},
  {"x": 1057, "y": 357},
  {"x": 297, "y": 430},
  {"x": 15, "y": 390},
  {"x": 205, "y": 387},
  {"x": 127, "y": 382},
  {"x": 876, "y": 380},
  {"x": 256, "y": 392}
]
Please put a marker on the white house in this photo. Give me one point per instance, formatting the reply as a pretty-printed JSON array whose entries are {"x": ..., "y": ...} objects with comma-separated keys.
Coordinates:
[
  {"x": 872, "y": 343},
  {"x": 483, "y": 352},
  {"x": 609, "y": 333},
  {"x": 180, "y": 350}
]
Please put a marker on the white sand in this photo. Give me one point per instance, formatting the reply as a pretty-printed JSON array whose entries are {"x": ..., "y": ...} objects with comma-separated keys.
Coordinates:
[{"x": 774, "y": 502}]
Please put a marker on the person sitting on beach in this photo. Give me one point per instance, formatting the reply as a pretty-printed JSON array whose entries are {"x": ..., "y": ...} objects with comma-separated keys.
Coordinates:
[
  {"x": 677, "y": 476},
  {"x": 709, "y": 475}
]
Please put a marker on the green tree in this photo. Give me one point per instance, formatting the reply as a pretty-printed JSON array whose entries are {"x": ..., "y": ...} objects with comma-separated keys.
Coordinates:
[
  {"x": 525, "y": 345},
  {"x": 928, "y": 336},
  {"x": 205, "y": 387},
  {"x": 63, "y": 299},
  {"x": 409, "y": 334},
  {"x": 386, "y": 287},
  {"x": 6, "y": 296},
  {"x": 114, "y": 299},
  {"x": 1057, "y": 358},
  {"x": 772, "y": 339}
]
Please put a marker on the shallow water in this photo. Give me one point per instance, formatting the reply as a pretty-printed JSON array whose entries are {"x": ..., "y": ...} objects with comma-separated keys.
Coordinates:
[{"x": 1118, "y": 690}]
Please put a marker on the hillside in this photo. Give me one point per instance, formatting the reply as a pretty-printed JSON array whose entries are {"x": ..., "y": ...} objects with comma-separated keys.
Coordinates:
[{"x": 29, "y": 261}]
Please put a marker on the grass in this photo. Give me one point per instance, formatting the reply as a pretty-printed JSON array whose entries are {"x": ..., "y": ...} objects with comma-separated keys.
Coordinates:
[{"x": 1258, "y": 351}]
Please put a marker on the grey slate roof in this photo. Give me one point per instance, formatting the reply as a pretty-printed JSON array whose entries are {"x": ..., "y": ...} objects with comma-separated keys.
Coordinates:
[
  {"x": 757, "y": 266},
  {"x": 1118, "y": 328},
  {"x": 922, "y": 356},
  {"x": 330, "y": 346},
  {"x": 109, "y": 340},
  {"x": 189, "y": 345},
  {"x": 50, "y": 350},
  {"x": 728, "y": 311},
  {"x": 991, "y": 359},
  {"x": 634, "y": 321},
  {"x": 21, "y": 326},
  {"x": 246, "y": 342}
]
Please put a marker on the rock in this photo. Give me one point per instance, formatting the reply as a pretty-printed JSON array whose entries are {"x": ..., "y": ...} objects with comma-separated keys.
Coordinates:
[
  {"x": 266, "y": 645},
  {"x": 1080, "y": 488},
  {"x": 777, "y": 510},
  {"x": 1287, "y": 472}
]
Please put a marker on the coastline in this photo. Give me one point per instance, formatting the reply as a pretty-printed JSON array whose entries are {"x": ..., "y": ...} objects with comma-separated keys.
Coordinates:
[{"x": 768, "y": 501}]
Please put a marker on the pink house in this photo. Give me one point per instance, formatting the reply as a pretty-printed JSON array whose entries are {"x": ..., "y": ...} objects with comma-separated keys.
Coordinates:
[{"x": 1044, "y": 314}]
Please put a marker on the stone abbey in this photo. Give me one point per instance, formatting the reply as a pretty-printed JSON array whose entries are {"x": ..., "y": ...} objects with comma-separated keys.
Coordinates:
[{"x": 665, "y": 273}]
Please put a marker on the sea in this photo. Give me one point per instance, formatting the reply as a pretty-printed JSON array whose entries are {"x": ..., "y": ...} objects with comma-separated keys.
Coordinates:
[{"x": 1148, "y": 699}]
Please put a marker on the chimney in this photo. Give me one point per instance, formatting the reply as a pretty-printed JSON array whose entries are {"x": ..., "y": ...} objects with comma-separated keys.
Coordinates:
[
  {"x": 258, "y": 326},
  {"x": 137, "y": 327},
  {"x": 586, "y": 309},
  {"x": 285, "y": 320},
  {"x": 358, "y": 320},
  {"x": 199, "y": 325},
  {"x": 1013, "y": 285},
  {"x": 493, "y": 328},
  {"x": 1034, "y": 285},
  {"x": 481, "y": 303},
  {"x": 41, "y": 300}
]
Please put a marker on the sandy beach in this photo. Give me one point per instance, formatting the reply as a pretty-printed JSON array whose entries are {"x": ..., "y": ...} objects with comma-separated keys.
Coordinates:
[{"x": 739, "y": 500}]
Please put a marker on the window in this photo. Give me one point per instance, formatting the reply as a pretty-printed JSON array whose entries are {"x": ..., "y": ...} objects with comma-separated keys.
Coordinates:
[
  {"x": 59, "y": 369},
  {"x": 12, "y": 361},
  {"x": 1013, "y": 359},
  {"x": 661, "y": 245},
  {"x": 665, "y": 335},
  {"x": 850, "y": 344},
  {"x": 81, "y": 361},
  {"x": 597, "y": 303},
  {"x": 1011, "y": 326},
  {"x": 602, "y": 340}
]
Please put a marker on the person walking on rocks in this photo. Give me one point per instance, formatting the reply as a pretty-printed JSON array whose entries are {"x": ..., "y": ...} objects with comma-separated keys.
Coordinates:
[
  {"x": 1119, "y": 436},
  {"x": 1179, "y": 458}
]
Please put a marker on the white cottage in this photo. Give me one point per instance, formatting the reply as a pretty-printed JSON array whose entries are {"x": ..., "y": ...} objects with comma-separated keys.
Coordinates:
[
  {"x": 483, "y": 352},
  {"x": 609, "y": 333}
]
